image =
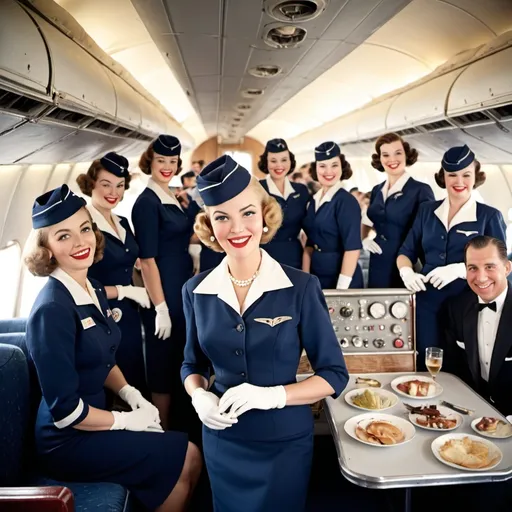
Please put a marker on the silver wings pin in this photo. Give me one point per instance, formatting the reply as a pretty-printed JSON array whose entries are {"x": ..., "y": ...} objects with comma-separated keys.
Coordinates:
[{"x": 273, "y": 321}]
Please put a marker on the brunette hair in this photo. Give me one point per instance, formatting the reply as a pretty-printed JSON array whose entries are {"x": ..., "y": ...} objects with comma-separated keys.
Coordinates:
[
  {"x": 87, "y": 181},
  {"x": 479, "y": 176},
  {"x": 483, "y": 241},
  {"x": 147, "y": 157},
  {"x": 272, "y": 219},
  {"x": 346, "y": 169},
  {"x": 411, "y": 154},
  {"x": 36, "y": 254},
  {"x": 263, "y": 162}
]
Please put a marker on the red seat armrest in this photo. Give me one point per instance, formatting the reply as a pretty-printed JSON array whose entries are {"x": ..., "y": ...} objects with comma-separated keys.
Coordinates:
[{"x": 40, "y": 499}]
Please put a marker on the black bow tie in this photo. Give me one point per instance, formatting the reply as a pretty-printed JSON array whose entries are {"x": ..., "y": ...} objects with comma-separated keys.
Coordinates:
[{"x": 490, "y": 305}]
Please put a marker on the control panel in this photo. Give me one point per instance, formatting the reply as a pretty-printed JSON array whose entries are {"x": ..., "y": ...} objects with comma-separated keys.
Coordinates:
[{"x": 372, "y": 320}]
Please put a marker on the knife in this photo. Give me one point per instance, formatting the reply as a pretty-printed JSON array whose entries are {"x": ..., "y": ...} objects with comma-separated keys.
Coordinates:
[{"x": 458, "y": 408}]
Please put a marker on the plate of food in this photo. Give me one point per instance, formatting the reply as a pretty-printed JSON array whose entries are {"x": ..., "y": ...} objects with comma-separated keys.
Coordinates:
[
  {"x": 466, "y": 451},
  {"x": 371, "y": 399},
  {"x": 367, "y": 382},
  {"x": 381, "y": 430},
  {"x": 434, "y": 417},
  {"x": 492, "y": 427},
  {"x": 417, "y": 387}
]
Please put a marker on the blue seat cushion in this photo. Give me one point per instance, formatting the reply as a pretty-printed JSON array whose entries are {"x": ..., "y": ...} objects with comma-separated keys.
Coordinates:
[{"x": 93, "y": 497}]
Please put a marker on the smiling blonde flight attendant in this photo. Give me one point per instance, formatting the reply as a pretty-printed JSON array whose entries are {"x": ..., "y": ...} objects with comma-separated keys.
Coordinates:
[
  {"x": 249, "y": 319},
  {"x": 440, "y": 232},
  {"x": 72, "y": 339},
  {"x": 105, "y": 182},
  {"x": 163, "y": 229},
  {"x": 333, "y": 224},
  {"x": 278, "y": 162},
  {"x": 392, "y": 210}
]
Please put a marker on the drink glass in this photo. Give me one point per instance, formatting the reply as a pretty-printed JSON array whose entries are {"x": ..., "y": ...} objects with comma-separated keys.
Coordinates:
[{"x": 434, "y": 360}]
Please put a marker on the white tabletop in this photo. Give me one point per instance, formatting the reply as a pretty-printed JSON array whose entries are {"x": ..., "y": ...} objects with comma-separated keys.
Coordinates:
[{"x": 412, "y": 464}]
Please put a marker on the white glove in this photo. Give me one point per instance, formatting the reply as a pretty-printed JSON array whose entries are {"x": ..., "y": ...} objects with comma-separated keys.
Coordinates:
[
  {"x": 136, "y": 293},
  {"x": 163, "y": 323},
  {"x": 441, "y": 276},
  {"x": 371, "y": 245},
  {"x": 509, "y": 418},
  {"x": 343, "y": 282},
  {"x": 206, "y": 405},
  {"x": 137, "y": 421},
  {"x": 245, "y": 397},
  {"x": 413, "y": 281},
  {"x": 133, "y": 397}
]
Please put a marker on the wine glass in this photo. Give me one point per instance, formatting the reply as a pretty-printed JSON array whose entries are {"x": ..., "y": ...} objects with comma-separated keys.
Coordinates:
[{"x": 434, "y": 360}]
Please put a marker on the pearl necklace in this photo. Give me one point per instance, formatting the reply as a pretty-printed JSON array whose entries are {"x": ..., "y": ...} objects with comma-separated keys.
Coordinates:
[{"x": 244, "y": 282}]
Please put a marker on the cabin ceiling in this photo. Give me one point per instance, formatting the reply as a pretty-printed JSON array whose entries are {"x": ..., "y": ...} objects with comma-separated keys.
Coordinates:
[{"x": 212, "y": 45}]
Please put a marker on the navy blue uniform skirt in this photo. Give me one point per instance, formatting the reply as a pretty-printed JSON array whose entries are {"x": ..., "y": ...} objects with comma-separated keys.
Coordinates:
[
  {"x": 258, "y": 476},
  {"x": 326, "y": 266},
  {"x": 148, "y": 464}
]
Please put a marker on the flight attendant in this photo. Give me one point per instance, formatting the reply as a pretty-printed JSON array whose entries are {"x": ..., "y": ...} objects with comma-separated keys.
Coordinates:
[
  {"x": 278, "y": 162},
  {"x": 105, "y": 182},
  {"x": 333, "y": 224},
  {"x": 439, "y": 234},
  {"x": 249, "y": 319},
  {"x": 72, "y": 338},
  {"x": 393, "y": 208},
  {"x": 163, "y": 229}
]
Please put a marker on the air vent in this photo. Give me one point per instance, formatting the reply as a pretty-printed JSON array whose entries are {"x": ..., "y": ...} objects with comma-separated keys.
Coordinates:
[
  {"x": 437, "y": 125},
  {"x": 18, "y": 103},
  {"x": 124, "y": 132},
  {"x": 407, "y": 131},
  {"x": 237, "y": 119},
  {"x": 287, "y": 36},
  {"x": 244, "y": 106},
  {"x": 473, "y": 118},
  {"x": 252, "y": 93},
  {"x": 502, "y": 113},
  {"x": 264, "y": 71},
  {"x": 68, "y": 117},
  {"x": 140, "y": 136},
  {"x": 295, "y": 10},
  {"x": 103, "y": 126}
]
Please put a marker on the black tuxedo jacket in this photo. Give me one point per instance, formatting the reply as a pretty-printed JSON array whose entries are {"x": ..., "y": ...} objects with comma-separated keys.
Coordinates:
[{"x": 461, "y": 349}]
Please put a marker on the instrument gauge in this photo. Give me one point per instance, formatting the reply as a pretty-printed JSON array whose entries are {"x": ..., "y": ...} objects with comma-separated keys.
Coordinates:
[
  {"x": 399, "y": 310},
  {"x": 377, "y": 310}
]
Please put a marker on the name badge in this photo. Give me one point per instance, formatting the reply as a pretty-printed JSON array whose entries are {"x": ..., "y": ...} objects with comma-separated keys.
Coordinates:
[
  {"x": 117, "y": 314},
  {"x": 467, "y": 233},
  {"x": 272, "y": 322},
  {"x": 296, "y": 196},
  {"x": 87, "y": 323}
]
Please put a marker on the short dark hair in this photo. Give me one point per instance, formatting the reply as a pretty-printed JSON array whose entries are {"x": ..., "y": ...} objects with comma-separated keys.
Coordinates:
[
  {"x": 479, "y": 176},
  {"x": 147, "y": 157},
  {"x": 411, "y": 154},
  {"x": 263, "y": 162},
  {"x": 346, "y": 169},
  {"x": 483, "y": 241},
  {"x": 354, "y": 189},
  {"x": 189, "y": 174}
]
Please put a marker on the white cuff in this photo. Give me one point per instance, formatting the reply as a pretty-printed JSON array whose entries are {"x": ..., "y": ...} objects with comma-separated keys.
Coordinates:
[
  {"x": 71, "y": 417},
  {"x": 281, "y": 396},
  {"x": 120, "y": 292},
  {"x": 162, "y": 306}
]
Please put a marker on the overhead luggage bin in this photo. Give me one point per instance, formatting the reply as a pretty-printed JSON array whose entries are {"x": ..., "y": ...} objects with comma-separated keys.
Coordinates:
[
  {"x": 484, "y": 84},
  {"x": 128, "y": 103},
  {"x": 24, "y": 59},
  {"x": 371, "y": 121}
]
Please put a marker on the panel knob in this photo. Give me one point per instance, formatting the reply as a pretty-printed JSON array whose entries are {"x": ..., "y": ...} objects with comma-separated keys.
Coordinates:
[
  {"x": 344, "y": 342},
  {"x": 398, "y": 343},
  {"x": 346, "y": 311},
  {"x": 379, "y": 343},
  {"x": 357, "y": 341},
  {"x": 396, "y": 329}
]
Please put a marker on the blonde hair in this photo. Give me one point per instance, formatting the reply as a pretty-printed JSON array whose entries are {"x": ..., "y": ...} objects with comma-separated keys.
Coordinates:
[
  {"x": 37, "y": 256},
  {"x": 272, "y": 219}
]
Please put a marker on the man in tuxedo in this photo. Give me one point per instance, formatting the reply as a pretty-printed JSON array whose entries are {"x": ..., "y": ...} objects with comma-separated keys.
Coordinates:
[{"x": 478, "y": 324}]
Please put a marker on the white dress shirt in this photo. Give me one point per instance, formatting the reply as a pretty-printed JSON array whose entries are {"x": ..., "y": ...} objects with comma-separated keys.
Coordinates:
[{"x": 488, "y": 322}]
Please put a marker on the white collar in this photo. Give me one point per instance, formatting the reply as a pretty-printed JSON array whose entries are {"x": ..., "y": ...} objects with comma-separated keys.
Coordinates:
[
  {"x": 80, "y": 296},
  {"x": 319, "y": 200},
  {"x": 272, "y": 188},
  {"x": 103, "y": 224},
  {"x": 397, "y": 187},
  {"x": 466, "y": 214},
  {"x": 271, "y": 277},
  {"x": 500, "y": 300},
  {"x": 160, "y": 192}
]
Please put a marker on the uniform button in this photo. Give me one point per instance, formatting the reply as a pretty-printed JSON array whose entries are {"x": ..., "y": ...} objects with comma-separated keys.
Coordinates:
[
  {"x": 127, "y": 250},
  {"x": 442, "y": 237},
  {"x": 442, "y": 255},
  {"x": 126, "y": 270},
  {"x": 382, "y": 237},
  {"x": 239, "y": 352},
  {"x": 243, "y": 374},
  {"x": 109, "y": 365},
  {"x": 240, "y": 327},
  {"x": 113, "y": 348},
  {"x": 109, "y": 331},
  {"x": 290, "y": 239}
]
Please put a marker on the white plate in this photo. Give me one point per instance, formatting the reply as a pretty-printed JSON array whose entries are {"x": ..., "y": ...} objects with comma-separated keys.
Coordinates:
[
  {"x": 492, "y": 435},
  {"x": 381, "y": 392},
  {"x": 364, "y": 419},
  {"x": 400, "y": 380},
  {"x": 446, "y": 412},
  {"x": 438, "y": 442}
]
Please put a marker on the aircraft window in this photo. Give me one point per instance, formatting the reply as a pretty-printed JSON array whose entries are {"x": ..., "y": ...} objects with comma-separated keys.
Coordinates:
[
  {"x": 31, "y": 287},
  {"x": 244, "y": 159},
  {"x": 10, "y": 261}
]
